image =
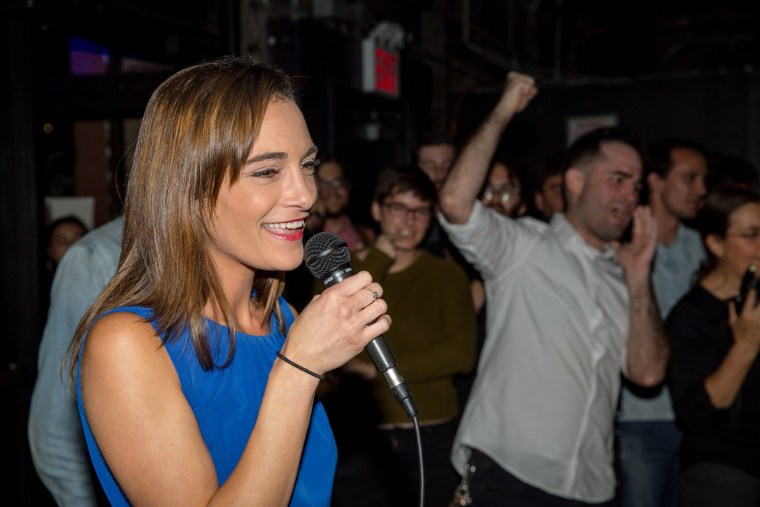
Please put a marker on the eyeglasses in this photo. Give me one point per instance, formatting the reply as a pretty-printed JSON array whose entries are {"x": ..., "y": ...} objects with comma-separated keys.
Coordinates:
[
  {"x": 502, "y": 194},
  {"x": 332, "y": 184},
  {"x": 398, "y": 210},
  {"x": 752, "y": 235}
]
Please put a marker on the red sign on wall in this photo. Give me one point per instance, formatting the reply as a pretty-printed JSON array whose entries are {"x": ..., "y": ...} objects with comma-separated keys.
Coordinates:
[{"x": 386, "y": 71}]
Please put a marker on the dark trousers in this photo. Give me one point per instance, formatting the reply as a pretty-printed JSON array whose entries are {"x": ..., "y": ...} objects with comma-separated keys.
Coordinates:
[
  {"x": 492, "y": 486},
  {"x": 718, "y": 485},
  {"x": 385, "y": 473},
  {"x": 440, "y": 477}
]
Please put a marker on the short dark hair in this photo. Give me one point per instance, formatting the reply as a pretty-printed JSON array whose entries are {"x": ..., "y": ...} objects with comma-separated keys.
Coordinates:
[
  {"x": 659, "y": 153},
  {"x": 550, "y": 166},
  {"x": 588, "y": 146},
  {"x": 732, "y": 169},
  {"x": 404, "y": 178},
  {"x": 434, "y": 138},
  {"x": 718, "y": 206},
  {"x": 68, "y": 219},
  {"x": 518, "y": 167}
]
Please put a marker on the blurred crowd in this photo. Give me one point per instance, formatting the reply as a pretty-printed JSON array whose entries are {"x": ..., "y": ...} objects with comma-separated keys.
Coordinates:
[{"x": 573, "y": 331}]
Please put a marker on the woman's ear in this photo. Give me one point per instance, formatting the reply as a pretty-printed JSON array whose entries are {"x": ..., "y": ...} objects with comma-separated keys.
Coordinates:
[
  {"x": 716, "y": 245},
  {"x": 375, "y": 211}
]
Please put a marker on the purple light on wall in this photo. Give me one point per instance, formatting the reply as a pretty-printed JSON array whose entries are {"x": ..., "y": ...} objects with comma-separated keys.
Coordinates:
[{"x": 87, "y": 57}]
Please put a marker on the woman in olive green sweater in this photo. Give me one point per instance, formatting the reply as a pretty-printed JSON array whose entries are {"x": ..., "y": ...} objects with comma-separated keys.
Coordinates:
[{"x": 433, "y": 335}]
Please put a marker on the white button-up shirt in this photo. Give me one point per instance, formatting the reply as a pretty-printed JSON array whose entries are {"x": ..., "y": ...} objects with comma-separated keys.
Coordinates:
[{"x": 543, "y": 402}]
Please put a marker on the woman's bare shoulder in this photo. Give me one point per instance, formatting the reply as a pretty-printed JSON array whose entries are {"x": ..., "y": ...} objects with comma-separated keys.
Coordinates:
[
  {"x": 122, "y": 332},
  {"x": 123, "y": 345}
]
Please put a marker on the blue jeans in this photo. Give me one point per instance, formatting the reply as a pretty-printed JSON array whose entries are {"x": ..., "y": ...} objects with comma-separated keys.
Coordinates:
[{"x": 648, "y": 465}]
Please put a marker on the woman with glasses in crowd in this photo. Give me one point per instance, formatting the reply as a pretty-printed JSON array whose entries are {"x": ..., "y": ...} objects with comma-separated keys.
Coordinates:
[
  {"x": 433, "y": 338},
  {"x": 714, "y": 374}
]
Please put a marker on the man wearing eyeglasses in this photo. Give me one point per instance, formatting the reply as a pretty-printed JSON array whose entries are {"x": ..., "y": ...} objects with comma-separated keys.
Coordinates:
[
  {"x": 648, "y": 439},
  {"x": 334, "y": 193},
  {"x": 503, "y": 191},
  {"x": 569, "y": 309}
]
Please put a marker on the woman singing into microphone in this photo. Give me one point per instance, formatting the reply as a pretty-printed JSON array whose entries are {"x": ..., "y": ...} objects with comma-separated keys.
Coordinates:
[{"x": 195, "y": 380}]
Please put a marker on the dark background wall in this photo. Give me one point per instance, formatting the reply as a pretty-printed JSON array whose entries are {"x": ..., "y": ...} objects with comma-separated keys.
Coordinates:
[
  {"x": 719, "y": 110},
  {"x": 668, "y": 67}
]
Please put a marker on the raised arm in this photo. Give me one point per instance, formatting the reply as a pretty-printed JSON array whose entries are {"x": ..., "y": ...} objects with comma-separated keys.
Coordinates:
[
  {"x": 648, "y": 349},
  {"x": 469, "y": 172}
]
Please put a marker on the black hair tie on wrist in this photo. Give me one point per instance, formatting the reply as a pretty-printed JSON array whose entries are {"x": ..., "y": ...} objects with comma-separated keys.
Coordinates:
[{"x": 305, "y": 370}]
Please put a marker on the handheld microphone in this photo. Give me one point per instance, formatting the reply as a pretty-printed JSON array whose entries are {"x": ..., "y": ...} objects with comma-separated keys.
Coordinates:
[{"x": 327, "y": 257}]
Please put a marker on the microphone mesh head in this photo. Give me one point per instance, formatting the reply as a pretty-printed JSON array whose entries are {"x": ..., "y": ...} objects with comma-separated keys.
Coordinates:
[{"x": 325, "y": 252}]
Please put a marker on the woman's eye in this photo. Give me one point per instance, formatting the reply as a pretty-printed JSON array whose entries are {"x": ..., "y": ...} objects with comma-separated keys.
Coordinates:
[
  {"x": 269, "y": 172},
  {"x": 311, "y": 165}
]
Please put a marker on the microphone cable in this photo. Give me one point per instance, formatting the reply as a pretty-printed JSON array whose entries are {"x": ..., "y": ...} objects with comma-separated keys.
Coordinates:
[
  {"x": 417, "y": 433},
  {"x": 327, "y": 257}
]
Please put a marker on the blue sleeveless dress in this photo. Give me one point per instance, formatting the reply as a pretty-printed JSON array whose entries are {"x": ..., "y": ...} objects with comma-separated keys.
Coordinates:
[{"x": 226, "y": 404}]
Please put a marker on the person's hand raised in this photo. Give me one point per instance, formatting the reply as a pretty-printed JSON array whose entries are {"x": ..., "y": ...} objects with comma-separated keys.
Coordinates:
[
  {"x": 636, "y": 256},
  {"x": 519, "y": 90}
]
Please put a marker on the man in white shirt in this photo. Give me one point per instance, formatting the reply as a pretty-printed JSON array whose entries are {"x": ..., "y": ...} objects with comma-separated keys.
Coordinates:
[
  {"x": 56, "y": 439},
  {"x": 569, "y": 309}
]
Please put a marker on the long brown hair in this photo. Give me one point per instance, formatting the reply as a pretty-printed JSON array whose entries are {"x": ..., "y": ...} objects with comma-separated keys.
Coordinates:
[{"x": 198, "y": 128}]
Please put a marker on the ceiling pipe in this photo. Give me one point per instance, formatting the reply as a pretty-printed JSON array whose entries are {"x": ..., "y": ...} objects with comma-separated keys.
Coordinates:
[
  {"x": 512, "y": 62},
  {"x": 679, "y": 46}
]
